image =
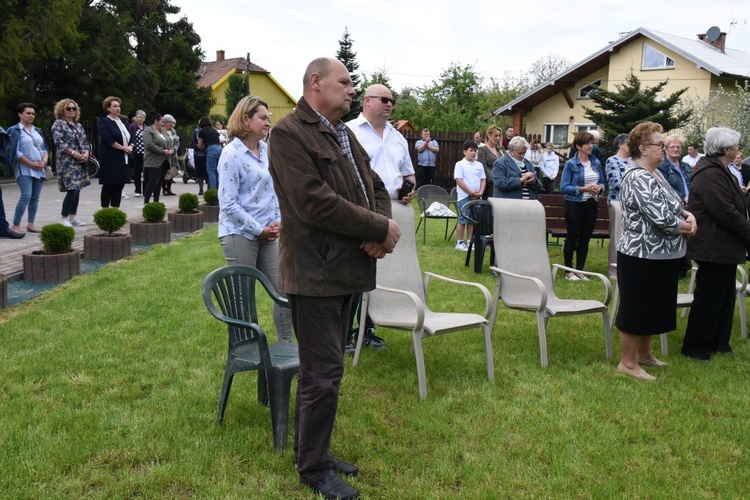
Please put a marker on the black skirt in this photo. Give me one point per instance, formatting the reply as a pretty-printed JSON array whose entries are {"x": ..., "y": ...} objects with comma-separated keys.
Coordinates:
[{"x": 648, "y": 295}]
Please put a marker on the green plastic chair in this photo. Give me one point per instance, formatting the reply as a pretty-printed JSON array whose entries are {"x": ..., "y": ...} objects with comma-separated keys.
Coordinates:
[{"x": 229, "y": 294}]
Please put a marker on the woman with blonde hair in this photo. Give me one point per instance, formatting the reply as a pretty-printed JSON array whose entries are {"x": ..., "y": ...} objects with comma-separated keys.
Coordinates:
[
  {"x": 490, "y": 151},
  {"x": 73, "y": 150},
  {"x": 249, "y": 217}
]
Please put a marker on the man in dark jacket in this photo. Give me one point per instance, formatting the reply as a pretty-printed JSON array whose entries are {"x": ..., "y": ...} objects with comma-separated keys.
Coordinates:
[{"x": 336, "y": 221}]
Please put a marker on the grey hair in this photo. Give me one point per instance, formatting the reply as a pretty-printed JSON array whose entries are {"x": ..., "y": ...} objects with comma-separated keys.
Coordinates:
[
  {"x": 718, "y": 138},
  {"x": 169, "y": 119},
  {"x": 140, "y": 112},
  {"x": 517, "y": 143},
  {"x": 620, "y": 140},
  {"x": 595, "y": 133}
]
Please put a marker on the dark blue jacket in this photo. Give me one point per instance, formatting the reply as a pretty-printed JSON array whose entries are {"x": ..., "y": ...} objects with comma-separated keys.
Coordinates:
[
  {"x": 113, "y": 167},
  {"x": 674, "y": 177}
]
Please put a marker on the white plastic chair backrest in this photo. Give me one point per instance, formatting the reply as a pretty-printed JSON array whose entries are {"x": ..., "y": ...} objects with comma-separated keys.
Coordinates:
[
  {"x": 520, "y": 241},
  {"x": 617, "y": 222},
  {"x": 400, "y": 270}
]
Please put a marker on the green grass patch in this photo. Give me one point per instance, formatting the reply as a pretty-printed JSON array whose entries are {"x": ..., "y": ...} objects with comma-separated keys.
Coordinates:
[{"x": 109, "y": 388}]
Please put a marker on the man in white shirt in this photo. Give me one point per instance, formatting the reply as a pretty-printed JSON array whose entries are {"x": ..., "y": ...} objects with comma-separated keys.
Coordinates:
[
  {"x": 693, "y": 155},
  {"x": 388, "y": 150},
  {"x": 389, "y": 158}
]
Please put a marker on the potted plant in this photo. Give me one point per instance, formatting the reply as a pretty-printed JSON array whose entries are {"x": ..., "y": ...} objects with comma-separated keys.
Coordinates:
[
  {"x": 153, "y": 229},
  {"x": 188, "y": 218},
  {"x": 109, "y": 245},
  {"x": 210, "y": 206},
  {"x": 58, "y": 261}
]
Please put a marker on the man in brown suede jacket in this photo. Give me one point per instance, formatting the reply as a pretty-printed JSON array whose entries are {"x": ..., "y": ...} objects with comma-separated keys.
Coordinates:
[{"x": 335, "y": 222}]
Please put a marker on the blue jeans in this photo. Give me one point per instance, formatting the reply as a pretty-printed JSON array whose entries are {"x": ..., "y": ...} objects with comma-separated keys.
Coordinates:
[
  {"x": 31, "y": 187},
  {"x": 212, "y": 162}
]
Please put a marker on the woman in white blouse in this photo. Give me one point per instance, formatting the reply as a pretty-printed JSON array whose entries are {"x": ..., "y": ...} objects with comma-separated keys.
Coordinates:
[{"x": 249, "y": 217}]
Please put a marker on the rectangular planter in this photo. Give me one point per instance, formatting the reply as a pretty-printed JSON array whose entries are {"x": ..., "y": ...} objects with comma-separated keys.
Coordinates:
[
  {"x": 44, "y": 268},
  {"x": 210, "y": 213},
  {"x": 186, "y": 223},
  {"x": 150, "y": 233},
  {"x": 3, "y": 292},
  {"x": 96, "y": 247}
]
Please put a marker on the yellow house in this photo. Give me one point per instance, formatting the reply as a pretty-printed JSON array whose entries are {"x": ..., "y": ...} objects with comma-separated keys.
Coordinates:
[
  {"x": 215, "y": 74},
  {"x": 555, "y": 108}
]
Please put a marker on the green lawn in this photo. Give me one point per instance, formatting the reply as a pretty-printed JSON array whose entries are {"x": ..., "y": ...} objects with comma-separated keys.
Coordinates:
[{"x": 110, "y": 385}]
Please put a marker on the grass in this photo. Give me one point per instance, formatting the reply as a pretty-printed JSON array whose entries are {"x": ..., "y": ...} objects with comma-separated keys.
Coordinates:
[{"x": 110, "y": 385}]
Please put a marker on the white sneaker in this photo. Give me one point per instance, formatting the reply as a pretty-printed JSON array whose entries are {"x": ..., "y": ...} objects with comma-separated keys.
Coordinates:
[
  {"x": 65, "y": 222},
  {"x": 461, "y": 246},
  {"x": 77, "y": 222},
  {"x": 125, "y": 197},
  {"x": 137, "y": 195}
]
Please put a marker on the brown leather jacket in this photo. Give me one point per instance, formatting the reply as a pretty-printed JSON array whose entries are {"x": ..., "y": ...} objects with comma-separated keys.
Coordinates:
[
  {"x": 720, "y": 211},
  {"x": 324, "y": 214}
]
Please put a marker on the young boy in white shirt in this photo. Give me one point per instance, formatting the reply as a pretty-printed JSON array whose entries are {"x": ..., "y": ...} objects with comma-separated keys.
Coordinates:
[{"x": 471, "y": 181}]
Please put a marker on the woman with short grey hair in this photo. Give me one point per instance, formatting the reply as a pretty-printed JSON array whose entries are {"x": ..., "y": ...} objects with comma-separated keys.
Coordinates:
[
  {"x": 513, "y": 176},
  {"x": 720, "y": 209},
  {"x": 170, "y": 132},
  {"x": 136, "y": 131}
]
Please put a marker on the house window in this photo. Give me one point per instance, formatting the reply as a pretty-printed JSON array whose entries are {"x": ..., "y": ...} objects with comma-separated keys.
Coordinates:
[
  {"x": 585, "y": 127},
  {"x": 556, "y": 133},
  {"x": 583, "y": 92},
  {"x": 654, "y": 59}
]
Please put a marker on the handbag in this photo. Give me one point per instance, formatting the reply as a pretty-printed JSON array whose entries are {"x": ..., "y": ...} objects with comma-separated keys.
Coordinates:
[
  {"x": 171, "y": 173},
  {"x": 48, "y": 174}
]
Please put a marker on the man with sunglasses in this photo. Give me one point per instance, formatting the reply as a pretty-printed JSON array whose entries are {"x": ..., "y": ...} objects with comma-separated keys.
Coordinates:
[{"x": 389, "y": 158}]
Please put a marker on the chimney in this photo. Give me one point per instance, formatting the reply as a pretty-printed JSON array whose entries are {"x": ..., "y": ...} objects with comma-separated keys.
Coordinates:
[
  {"x": 719, "y": 43},
  {"x": 219, "y": 55}
]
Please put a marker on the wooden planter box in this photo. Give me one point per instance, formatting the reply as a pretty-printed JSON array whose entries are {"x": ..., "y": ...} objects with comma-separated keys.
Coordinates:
[
  {"x": 210, "y": 213},
  {"x": 50, "y": 268},
  {"x": 3, "y": 292},
  {"x": 99, "y": 247},
  {"x": 186, "y": 223},
  {"x": 149, "y": 233}
]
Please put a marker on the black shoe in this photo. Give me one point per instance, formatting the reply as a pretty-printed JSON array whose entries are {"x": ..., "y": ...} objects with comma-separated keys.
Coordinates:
[
  {"x": 332, "y": 487},
  {"x": 9, "y": 233},
  {"x": 343, "y": 467},
  {"x": 374, "y": 342}
]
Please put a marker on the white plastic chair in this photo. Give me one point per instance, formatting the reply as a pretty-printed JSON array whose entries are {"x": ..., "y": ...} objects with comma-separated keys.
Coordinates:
[
  {"x": 400, "y": 301},
  {"x": 523, "y": 277}
]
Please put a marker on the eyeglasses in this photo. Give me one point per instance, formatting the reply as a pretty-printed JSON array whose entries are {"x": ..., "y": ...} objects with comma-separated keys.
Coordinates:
[
  {"x": 659, "y": 144},
  {"x": 384, "y": 100},
  {"x": 71, "y": 108}
]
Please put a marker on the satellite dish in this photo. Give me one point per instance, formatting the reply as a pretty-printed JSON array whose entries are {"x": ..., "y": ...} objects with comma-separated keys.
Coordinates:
[{"x": 713, "y": 33}]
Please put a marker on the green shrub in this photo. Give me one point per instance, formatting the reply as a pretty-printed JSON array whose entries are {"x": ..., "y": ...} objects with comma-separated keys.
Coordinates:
[
  {"x": 154, "y": 211},
  {"x": 110, "y": 219},
  {"x": 188, "y": 203},
  {"x": 57, "y": 238},
  {"x": 211, "y": 197}
]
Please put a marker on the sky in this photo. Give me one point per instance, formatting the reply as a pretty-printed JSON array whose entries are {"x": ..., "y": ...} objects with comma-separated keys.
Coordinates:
[{"x": 413, "y": 42}]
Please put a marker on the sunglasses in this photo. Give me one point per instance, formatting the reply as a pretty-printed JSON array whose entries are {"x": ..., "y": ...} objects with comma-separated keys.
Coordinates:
[
  {"x": 71, "y": 109},
  {"x": 384, "y": 100}
]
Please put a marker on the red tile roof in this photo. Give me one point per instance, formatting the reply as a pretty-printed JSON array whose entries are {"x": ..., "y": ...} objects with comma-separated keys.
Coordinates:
[{"x": 212, "y": 72}]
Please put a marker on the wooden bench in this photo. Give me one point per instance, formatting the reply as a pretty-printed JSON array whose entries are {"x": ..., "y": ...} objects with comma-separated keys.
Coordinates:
[{"x": 554, "y": 208}]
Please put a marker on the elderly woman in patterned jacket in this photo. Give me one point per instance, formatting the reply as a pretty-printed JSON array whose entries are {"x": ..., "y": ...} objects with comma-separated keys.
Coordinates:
[{"x": 654, "y": 226}]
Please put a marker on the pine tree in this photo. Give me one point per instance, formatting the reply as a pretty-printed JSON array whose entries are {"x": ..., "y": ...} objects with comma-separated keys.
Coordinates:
[
  {"x": 236, "y": 90},
  {"x": 632, "y": 104},
  {"x": 349, "y": 59}
]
